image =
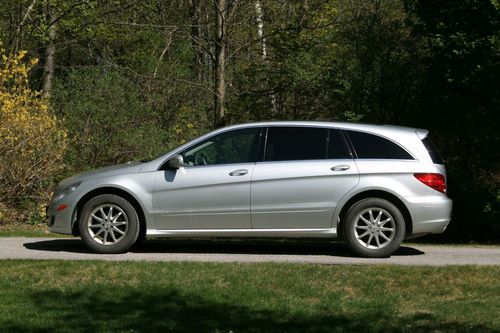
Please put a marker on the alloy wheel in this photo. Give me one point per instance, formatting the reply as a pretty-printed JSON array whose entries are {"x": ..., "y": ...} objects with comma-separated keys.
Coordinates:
[
  {"x": 374, "y": 228},
  {"x": 108, "y": 224}
]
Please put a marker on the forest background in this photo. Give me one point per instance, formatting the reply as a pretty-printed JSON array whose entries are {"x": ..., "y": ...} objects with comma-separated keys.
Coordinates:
[{"x": 89, "y": 83}]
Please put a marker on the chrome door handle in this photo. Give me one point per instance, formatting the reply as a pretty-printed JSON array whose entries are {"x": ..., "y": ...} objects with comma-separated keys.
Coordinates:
[
  {"x": 342, "y": 167},
  {"x": 239, "y": 172}
]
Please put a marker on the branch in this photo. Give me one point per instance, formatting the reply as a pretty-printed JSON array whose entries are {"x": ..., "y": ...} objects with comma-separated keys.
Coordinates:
[
  {"x": 18, "y": 29},
  {"x": 170, "y": 80},
  {"x": 143, "y": 25},
  {"x": 57, "y": 19},
  {"x": 167, "y": 46}
]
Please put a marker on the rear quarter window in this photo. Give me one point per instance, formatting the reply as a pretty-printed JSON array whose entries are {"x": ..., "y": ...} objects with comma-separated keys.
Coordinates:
[
  {"x": 370, "y": 146},
  {"x": 431, "y": 149}
]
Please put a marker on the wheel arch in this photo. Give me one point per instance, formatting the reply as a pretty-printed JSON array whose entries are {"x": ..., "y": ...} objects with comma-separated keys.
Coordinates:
[
  {"x": 109, "y": 190},
  {"x": 375, "y": 194}
]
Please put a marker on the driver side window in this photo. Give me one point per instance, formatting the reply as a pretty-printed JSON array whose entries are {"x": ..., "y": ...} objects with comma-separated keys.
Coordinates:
[{"x": 238, "y": 146}]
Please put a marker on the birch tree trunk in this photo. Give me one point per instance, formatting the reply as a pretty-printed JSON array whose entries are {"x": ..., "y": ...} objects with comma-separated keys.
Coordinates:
[
  {"x": 262, "y": 39},
  {"x": 220, "y": 59},
  {"x": 260, "y": 29}
]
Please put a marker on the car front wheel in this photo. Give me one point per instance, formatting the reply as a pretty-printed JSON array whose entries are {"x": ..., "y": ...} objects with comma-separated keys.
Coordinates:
[
  {"x": 108, "y": 224},
  {"x": 374, "y": 228}
]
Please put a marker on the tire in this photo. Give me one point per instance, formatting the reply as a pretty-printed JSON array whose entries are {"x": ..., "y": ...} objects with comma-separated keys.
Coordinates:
[
  {"x": 108, "y": 224},
  {"x": 141, "y": 237},
  {"x": 374, "y": 228}
]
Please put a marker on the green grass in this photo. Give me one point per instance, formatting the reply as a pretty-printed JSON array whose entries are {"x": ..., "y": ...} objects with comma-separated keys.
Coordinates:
[
  {"x": 68, "y": 296},
  {"x": 24, "y": 233},
  {"x": 27, "y": 230}
]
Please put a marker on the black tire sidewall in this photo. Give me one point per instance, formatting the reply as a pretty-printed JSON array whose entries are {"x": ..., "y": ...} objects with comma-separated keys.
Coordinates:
[
  {"x": 133, "y": 228},
  {"x": 348, "y": 228}
]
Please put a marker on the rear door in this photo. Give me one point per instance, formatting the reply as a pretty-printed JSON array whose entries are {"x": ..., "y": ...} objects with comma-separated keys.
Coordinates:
[{"x": 304, "y": 173}]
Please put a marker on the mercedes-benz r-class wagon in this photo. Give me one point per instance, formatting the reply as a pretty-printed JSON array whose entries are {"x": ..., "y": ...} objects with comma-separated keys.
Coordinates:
[{"x": 369, "y": 185}]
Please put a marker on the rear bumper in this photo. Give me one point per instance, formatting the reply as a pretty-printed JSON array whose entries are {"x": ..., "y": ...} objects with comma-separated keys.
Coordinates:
[{"x": 429, "y": 214}]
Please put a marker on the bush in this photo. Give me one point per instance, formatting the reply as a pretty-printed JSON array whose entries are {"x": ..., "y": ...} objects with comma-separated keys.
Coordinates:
[
  {"x": 107, "y": 120},
  {"x": 32, "y": 141}
]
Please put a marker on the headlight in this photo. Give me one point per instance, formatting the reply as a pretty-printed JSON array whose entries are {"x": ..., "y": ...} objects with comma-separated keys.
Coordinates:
[{"x": 67, "y": 191}]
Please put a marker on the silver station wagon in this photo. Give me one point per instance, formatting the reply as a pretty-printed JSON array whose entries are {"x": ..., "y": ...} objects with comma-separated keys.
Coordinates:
[{"x": 369, "y": 185}]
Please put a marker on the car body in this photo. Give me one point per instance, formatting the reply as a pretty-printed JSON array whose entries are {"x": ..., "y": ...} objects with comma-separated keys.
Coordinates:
[{"x": 270, "y": 179}]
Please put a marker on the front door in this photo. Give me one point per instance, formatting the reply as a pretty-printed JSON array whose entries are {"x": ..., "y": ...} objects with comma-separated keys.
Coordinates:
[{"x": 212, "y": 190}]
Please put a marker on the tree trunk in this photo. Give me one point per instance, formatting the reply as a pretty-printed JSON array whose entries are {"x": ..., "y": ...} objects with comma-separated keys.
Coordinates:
[
  {"x": 50, "y": 50},
  {"x": 262, "y": 39},
  {"x": 220, "y": 59},
  {"x": 260, "y": 29},
  {"x": 194, "y": 14}
]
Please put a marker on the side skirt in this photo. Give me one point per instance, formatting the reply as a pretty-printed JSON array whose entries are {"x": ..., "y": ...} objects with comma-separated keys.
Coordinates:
[{"x": 292, "y": 233}]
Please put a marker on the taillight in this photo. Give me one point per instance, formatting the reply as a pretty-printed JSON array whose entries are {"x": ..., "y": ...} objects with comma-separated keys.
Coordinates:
[{"x": 433, "y": 180}]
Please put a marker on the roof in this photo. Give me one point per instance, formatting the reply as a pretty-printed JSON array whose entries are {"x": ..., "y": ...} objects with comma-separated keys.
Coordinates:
[{"x": 383, "y": 129}]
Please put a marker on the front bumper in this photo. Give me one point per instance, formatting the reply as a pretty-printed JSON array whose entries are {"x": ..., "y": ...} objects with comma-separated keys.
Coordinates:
[{"x": 60, "y": 221}]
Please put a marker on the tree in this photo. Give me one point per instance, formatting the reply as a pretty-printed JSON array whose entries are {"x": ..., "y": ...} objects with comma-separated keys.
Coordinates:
[
  {"x": 50, "y": 49},
  {"x": 221, "y": 8}
]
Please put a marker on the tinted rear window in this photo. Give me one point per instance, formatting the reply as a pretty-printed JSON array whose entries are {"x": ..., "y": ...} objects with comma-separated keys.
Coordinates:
[
  {"x": 431, "y": 149},
  {"x": 376, "y": 147},
  {"x": 295, "y": 143}
]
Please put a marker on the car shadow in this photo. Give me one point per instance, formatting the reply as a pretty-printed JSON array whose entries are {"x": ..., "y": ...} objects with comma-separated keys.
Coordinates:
[
  {"x": 58, "y": 245},
  {"x": 222, "y": 246}
]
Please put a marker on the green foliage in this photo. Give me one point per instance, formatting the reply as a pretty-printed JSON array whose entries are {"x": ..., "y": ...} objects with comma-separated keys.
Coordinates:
[
  {"x": 36, "y": 218},
  {"x": 107, "y": 119},
  {"x": 458, "y": 98}
]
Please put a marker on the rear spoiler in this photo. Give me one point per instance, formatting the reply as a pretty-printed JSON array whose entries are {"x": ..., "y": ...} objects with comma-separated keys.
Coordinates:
[{"x": 421, "y": 133}]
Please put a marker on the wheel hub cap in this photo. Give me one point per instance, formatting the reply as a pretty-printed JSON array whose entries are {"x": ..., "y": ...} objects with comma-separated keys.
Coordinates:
[
  {"x": 107, "y": 224},
  {"x": 374, "y": 228}
]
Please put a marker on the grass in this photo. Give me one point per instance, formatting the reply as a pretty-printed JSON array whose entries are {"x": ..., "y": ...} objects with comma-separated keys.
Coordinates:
[
  {"x": 27, "y": 230},
  {"x": 68, "y": 296}
]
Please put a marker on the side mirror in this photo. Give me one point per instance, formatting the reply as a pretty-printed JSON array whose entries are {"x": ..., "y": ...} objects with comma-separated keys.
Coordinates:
[{"x": 176, "y": 162}]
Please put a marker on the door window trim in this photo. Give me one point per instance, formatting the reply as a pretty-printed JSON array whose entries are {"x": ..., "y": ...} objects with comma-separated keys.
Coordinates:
[
  {"x": 164, "y": 165},
  {"x": 265, "y": 133}
]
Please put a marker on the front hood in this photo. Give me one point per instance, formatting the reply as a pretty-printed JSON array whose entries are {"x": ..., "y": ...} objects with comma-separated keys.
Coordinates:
[{"x": 119, "y": 169}]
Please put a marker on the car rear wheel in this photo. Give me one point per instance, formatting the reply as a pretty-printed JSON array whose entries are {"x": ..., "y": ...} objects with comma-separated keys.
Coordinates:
[
  {"x": 374, "y": 228},
  {"x": 108, "y": 224}
]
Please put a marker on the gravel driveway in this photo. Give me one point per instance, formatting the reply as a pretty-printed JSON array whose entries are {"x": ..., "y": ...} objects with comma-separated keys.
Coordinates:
[{"x": 309, "y": 251}]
